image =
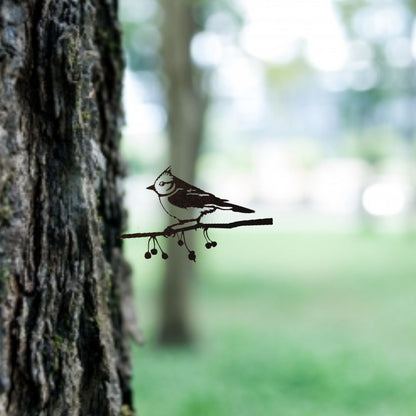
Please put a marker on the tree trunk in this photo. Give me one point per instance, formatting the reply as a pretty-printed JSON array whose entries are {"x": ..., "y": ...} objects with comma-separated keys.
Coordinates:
[
  {"x": 186, "y": 104},
  {"x": 63, "y": 348}
]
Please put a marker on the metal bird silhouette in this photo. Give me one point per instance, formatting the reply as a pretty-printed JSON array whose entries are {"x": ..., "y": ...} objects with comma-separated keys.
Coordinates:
[{"x": 186, "y": 202}]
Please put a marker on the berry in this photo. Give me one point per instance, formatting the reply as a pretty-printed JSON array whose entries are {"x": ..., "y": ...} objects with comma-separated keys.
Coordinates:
[
  {"x": 191, "y": 255},
  {"x": 208, "y": 245},
  {"x": 153, "y": 251},
  {"x": 180, "y": 242},
  {"x": 164, "y": 256},
  {"x": 147, "y": 255},
  {"x": 214, "y": 244}
]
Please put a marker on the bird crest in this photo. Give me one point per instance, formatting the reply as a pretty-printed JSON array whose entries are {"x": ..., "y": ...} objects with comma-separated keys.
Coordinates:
[{"x": 166, "y": 173}]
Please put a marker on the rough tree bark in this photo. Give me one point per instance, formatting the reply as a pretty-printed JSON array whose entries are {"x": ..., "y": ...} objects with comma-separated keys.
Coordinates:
[
  {"x": 186, "y": 103},
  {"x": 62, "y": 274}
]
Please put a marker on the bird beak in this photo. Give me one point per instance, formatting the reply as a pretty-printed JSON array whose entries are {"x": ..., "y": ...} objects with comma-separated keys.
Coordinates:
[{"x": 151, "y": 188}]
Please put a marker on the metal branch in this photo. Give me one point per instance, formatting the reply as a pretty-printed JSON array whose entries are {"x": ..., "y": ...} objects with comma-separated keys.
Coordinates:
[{"x": 184, "y": 227}]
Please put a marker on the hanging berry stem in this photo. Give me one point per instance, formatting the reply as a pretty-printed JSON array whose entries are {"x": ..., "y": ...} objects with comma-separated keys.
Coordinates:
[{"x": 164, "y": 255}]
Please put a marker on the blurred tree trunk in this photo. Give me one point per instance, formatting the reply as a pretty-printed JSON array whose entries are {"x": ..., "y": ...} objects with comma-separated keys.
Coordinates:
[
  {"x": 63, "y": 347},
  {"x": 186, "y": 104}
]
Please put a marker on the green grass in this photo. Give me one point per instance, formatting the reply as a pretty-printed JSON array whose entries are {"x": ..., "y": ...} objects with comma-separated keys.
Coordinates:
[{"x": 288, "y": 324}]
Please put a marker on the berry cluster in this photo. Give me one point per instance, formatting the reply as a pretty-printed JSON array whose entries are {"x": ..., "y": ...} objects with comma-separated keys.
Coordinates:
[
  {"x": 154, "y": 251},
  {"x": 181, "y": 242},
  {"x": 209, "y": 243}
]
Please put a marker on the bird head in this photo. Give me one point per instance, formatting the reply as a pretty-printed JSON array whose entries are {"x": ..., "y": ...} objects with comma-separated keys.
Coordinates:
[{"x": 164, "y": 183}]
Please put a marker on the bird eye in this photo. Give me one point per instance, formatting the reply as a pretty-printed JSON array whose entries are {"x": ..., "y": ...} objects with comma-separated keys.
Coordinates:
[{"x": 161, "y": 183}]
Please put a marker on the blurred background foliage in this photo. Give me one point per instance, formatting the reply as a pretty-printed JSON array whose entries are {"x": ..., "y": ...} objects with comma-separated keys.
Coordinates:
[{"x": 310, "y": 119}]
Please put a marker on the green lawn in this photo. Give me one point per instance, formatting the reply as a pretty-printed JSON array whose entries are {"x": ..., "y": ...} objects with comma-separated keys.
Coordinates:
[{"x": 288, "y": 324}]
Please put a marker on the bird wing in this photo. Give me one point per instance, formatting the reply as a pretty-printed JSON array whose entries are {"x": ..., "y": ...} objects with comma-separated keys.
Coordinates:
[{"x": 189, "y": 196}]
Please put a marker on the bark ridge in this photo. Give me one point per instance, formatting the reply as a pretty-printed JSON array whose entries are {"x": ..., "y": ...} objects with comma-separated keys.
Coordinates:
[{"x": 62, "y": 274}]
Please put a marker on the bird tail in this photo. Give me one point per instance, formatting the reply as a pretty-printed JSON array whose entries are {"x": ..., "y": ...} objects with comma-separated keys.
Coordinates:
[{"x": 236, "y": 208}]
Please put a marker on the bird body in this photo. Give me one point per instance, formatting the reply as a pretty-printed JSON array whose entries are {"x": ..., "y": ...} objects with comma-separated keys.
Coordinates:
[{"x": 186, "y": 202}]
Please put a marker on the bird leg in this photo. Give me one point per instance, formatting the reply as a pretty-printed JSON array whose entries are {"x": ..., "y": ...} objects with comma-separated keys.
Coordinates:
[{"x": 174, "y": 228}]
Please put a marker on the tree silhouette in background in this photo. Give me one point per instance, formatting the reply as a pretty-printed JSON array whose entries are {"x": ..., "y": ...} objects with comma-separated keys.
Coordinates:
[
  {"x": 162, "y": 44},
  {"x": 186, "y": 103}
]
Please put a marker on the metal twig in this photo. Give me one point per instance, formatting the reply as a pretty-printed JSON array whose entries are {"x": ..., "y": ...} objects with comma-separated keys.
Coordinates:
[{"x": 205, "y": 226}]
